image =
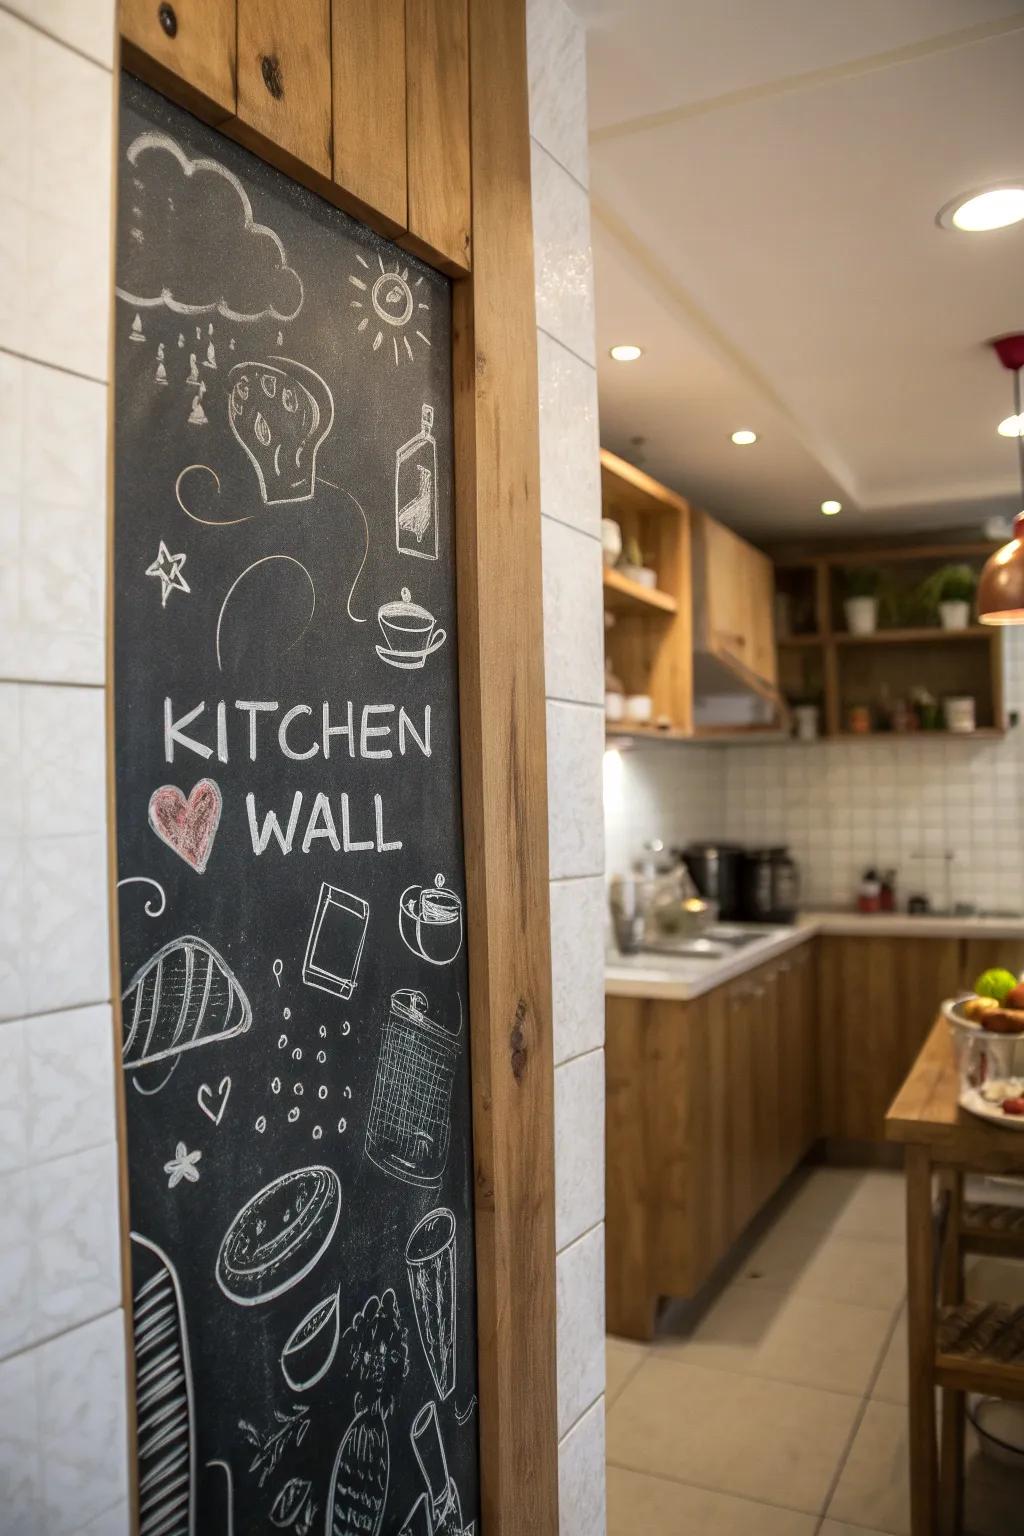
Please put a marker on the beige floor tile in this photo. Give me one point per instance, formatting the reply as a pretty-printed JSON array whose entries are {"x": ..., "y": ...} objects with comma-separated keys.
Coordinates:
[
  {"x": 873, "y": 1488},
  {"x": 797, "y": 1338},
  {"x": 891, "y": 1385},
  {"x": 621, "y": 1359},
  {"x": 864, "y": 1271},
  {"x": 641, "y": 1505},
  {"x": 878, "y": 1207},
  {"x": 834, "y": 1528},
  {"x": 763, "y": 1440},
  {"x": 819, "y": 1200}
]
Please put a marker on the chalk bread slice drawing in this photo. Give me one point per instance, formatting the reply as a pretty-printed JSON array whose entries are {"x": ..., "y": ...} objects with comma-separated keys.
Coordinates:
[
  {"x": 183, "y": 997},
  {"x": 163, "y": 1394},
  {"x": 279, "y": 1235}
]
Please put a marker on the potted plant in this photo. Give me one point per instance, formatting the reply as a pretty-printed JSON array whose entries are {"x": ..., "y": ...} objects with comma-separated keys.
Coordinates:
[
  {"x": 951, "y": 591},
  {"x": 861, "y": 605}
]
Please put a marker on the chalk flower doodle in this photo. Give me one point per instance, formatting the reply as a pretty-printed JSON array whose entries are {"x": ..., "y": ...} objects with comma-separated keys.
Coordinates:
[
  {"x": 187, "y": 826},
  {"x": 375, "y": 1348},
  {"x": 194, "y": 243},
  {"x": 164, "y": 1402},
  {"x": 280, "y": 412},
  {"x": 391, "y": 306},
  {"x": 279, "y": 1235},
  {"x": 167, "y": 569},
  {"x": 183, "y": 1165}
]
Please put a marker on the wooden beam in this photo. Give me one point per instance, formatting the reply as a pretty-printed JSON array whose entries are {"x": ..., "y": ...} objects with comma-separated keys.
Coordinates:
[
  {"x": 185, "y": 48},
  {"x": 368, "y": 49},
  {"x": 284, "y": 79},
  {"x": 501, "y": 676},
  {"x": 437, "y": 113}
]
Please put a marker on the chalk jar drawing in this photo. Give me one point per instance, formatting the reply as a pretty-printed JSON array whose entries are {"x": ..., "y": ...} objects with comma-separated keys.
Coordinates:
[
  {"x": 163, "y": 1393},
  {"x": 335, "y": 944},
  {"x": 430, "y": 921},
  {"x": 376, "y": 1352},
  {"x": 409, "y": 1126},
  {"x": 184, "y": 997},
  {"x": 187, "y": 826},
  {"x": 280, "y": 412},
  {"x": 411, "y": 633},
  {"x": 167, "y": 569},
  {"x": 430, "y": 1267},
  {"x": 416, "y": 492},
  {"x": 279, "y": 1235}
]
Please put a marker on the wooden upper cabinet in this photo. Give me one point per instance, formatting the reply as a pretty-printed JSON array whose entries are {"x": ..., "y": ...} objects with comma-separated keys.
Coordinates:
[
  {"x": 284, "y": 77},
  {"x": 437, "y": 128},
  {"x": 185, "y": 47},
  {"x": 368, "y": 48},
  {"x": 737, "y": 586}
]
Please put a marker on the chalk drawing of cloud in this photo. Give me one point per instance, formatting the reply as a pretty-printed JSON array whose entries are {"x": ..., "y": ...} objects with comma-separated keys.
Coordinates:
[{"x": 193, "y": 244}]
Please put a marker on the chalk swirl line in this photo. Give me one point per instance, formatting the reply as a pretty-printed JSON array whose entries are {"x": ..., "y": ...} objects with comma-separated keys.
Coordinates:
[
  {"x": 145, "y": 880},
  {"x": 366, "y": 546},
  {"x": 241, "y": 577},
  {"x": 207, "y": 522}
]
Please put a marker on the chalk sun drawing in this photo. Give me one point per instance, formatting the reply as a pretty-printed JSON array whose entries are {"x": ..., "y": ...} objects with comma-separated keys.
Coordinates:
[
  {"x": 167, "y": 568},
  {"x": 191, "y": 208},
  {"x": 234, "y": 586},
  {"x": 390, "y": 307},
  {"x": 163, "y": 1393}
]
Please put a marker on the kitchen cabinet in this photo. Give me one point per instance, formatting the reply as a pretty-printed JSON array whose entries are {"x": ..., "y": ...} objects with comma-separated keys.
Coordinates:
[
  {"x": 979, "y": 955},
  {"x": 710, "y": 1104},
  {"x": 878, "y": 1001},
  {"x": 734, "y": 590}
]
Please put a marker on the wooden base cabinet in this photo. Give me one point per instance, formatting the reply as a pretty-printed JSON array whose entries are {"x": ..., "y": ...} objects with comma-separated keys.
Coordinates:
[{"x": 710, "y": 1104}]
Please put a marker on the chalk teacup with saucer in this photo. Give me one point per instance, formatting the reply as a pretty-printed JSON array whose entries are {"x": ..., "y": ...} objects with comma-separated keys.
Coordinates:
[{"x": 411, "y": 633}]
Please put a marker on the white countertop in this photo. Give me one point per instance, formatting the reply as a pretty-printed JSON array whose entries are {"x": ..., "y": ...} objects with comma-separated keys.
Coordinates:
[{"x": 684, "y": 978}]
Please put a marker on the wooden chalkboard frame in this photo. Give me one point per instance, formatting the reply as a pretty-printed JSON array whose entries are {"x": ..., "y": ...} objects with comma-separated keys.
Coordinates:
[{"x": 501, "y": 685}]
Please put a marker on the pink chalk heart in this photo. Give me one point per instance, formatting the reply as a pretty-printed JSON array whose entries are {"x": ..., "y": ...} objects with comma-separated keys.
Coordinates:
[{"x": 188, "y": 826}]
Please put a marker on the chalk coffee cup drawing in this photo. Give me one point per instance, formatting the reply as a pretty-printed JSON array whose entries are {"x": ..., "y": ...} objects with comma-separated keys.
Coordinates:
[
  {"x": 411, "y": 633},
  {"x": 430, "y": 921}
]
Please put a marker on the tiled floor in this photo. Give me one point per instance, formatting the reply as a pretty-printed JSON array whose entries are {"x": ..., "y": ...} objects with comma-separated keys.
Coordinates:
[{"x": 782, "y": 1410}]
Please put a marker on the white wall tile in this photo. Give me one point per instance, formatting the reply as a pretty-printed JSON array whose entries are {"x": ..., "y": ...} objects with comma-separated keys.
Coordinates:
[
  {"x": 14, "y": 1102},
  {"x": 63, "y": 760},
  {"x": 573, "y": 614},
  {"x": 113, "y": 1522},
  {"x": 69, "y": 1067},
  {"x": 12, "y": 798},
  {"x": 579, "y": 1147},
  {"x": 577, "y": 965},
  {"x": 77, "y": 1255},
  {"x": 87, "y": 25},
  {"x": 570, "y": 477},
  {"x": 581, "y": 1476},
  {"x": 82, "y": 1424},
  {"x": 18, "y": 1322},
  {"x": 19, "y": 1447},
  {"x": 556, "y": 53},
  {"x": 13, "y": 970},
  {"x": 575, "y": 747},
  {"x": 66, "y": 948},
  {"x": 580, "y": 1311},
  {"x": 562, "y": 256}
]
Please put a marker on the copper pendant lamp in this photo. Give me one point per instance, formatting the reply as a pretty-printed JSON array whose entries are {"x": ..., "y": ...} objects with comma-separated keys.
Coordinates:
[{"x": 1001, "y": 584}]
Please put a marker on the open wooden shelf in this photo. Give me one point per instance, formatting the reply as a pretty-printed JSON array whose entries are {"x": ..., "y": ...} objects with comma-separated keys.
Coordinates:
[
  {"x": 625, "y": 596},
  {"x": 929, "y": 633},
  {"x": 982, "y": 732},
  {"x": 794, "y": 640}
]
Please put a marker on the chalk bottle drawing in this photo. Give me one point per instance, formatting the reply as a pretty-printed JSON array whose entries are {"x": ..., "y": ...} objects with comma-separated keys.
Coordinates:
[
  {"x": 376, "y": 1350},
  {"x": 416, "y": 492}
]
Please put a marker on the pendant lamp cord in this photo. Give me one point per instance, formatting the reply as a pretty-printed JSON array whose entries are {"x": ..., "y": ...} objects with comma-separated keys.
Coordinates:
[{"x": 1020, "y": 433}]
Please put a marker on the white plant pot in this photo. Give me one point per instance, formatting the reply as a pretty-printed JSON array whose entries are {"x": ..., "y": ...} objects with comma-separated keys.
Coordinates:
[
  {"x": 955, "y": 615},
  {"x": 861, "y": 615}
]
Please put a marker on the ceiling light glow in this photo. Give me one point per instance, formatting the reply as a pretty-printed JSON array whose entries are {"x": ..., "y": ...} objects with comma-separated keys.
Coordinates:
[
  {"x": 744, "y": 437},
  {"x": 830, "y": 508},
  {"x": 988, "y": 208},
  {"x": 625, "y": 352},
  {"x": 1011, "y": 426}
]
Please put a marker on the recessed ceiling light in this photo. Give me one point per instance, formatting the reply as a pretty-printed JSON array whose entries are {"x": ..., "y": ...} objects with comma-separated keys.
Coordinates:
[
  {"x": 988, "y": 208},
  {"x": 744, "y": 437},
  {"x": 830, "y": 508},
  {"x": 1011, "y": 426},
  {"x": 626, "y": 352}
]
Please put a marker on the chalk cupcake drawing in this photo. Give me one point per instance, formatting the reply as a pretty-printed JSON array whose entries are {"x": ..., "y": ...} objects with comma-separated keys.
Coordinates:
[
  {"x": 375, "y": 1350},
  {"x": 280, "y": 412},
  {"x": 187, "y": 826},
  {"x": 279, "y": 1235}
]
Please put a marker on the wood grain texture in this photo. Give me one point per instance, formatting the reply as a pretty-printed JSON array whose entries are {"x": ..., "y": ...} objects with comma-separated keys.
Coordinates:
[
  {"x": 504, "y": 783},
  {"x": 196, "y": 65},
  {"x": 284, "y": 78},
  {"x": 368, "y": 88},
  {"x": 437, "y": 117},
  {"x": 921, "y": 1344}
]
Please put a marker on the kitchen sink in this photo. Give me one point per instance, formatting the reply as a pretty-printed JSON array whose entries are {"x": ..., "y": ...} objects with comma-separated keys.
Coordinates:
[{"x": 716, "y": 943}]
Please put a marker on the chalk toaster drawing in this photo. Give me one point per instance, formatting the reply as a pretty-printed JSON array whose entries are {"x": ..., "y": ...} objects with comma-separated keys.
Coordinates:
[
  {"x": 416, "y": 492},
  {"x": 174, "y": 190},
  {"x": 187, "y": 826},
  {"x": 430, "y": 921},
  {"x": 185, "y": 996},
  {"x": 335, "y": 944},
  {"x": 167, "y": 568},
  {"x": 163, "y": 1395},
  {"x": 279, "y": 1235},
  {"x": 280, "y": 412},
  {"x": 393, "y": 300},
  {"x": 311, "y": 1347},
  {"x": 430, "y": 1264}
]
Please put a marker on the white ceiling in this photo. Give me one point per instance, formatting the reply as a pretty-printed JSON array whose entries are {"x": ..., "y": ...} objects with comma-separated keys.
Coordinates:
[{"x": 765, "y": 180}]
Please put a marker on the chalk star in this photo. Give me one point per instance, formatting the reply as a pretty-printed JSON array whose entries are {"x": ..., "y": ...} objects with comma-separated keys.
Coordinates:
[
  {"x": 182, "y": 1166},
  {"x": 168, "y": 568}
]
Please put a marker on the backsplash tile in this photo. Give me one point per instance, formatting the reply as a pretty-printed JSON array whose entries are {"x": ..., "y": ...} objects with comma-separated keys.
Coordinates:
[
  {"x": 19, "y": 1459},
  {"x": 77, "y": 1256},
  {"x": 64, "y": 748},
  {"x": 14, "y": 1104}
]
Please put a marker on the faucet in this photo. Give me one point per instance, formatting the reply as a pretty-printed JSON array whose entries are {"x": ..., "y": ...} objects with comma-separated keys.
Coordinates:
[{"x": 961, "y": 909}]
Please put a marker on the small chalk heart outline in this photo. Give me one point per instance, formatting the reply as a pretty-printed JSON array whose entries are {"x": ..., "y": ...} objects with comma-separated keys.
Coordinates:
[
  {"x": 187, "y": 826},
  {"x": 223, "y": 1090}
]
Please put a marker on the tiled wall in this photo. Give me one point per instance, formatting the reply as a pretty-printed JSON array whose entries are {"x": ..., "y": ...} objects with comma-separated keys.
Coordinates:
[
  {"x": 62, "y": 1433},
  {"x": 574, "y": 665},
  {"x": 843, "y": 806}
]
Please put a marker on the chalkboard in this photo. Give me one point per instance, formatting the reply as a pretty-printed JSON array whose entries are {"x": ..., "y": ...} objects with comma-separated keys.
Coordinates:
[{"x": 295, "y": 1034}]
